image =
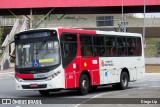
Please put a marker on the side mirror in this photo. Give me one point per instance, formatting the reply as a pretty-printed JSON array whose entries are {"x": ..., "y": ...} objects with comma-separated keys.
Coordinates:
[{"x": 11, "y": 49}]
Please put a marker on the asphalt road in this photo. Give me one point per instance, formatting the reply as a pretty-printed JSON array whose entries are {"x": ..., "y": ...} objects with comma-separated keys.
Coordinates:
[{"x": 148, "y": 87}]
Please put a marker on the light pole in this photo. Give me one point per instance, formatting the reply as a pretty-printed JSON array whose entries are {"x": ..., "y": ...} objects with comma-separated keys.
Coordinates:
[
  {"x": 144, "y": 21},
  {"x": 123, "y": 19}
]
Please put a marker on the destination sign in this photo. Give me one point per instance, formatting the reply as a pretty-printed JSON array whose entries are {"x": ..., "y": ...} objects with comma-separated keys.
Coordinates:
[{"x": 34, "y": 35}]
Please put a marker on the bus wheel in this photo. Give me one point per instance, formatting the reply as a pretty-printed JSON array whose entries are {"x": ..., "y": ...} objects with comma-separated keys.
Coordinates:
[
  {"x": 44, "y": 92},
  {"x": 123, "y": 81},
  {"x": 83, "y": 85}
]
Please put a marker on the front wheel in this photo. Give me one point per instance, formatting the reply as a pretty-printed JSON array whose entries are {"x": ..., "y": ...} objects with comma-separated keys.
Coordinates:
[{"x": 83, "y": 85}]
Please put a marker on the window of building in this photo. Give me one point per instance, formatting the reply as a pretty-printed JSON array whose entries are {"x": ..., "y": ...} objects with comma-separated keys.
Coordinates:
[{"x": 105, "y": 21}]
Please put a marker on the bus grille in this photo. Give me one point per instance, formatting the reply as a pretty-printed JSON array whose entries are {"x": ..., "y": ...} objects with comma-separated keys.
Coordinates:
[{"x": 39, "y": 86}]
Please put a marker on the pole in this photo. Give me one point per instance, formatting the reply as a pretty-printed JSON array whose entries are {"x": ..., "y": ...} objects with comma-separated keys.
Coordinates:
[
  {"x": 122, "y": 18},
  {"x": 31, "y": 18},
  {"x": 144, "y": 21}
]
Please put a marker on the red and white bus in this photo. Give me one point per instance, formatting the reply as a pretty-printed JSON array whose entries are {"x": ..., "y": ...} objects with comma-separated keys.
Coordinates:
[{"x": 64, "y": 58}]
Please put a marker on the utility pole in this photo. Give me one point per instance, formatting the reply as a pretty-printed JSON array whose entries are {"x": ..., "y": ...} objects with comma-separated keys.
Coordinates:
[
  {"x": 144, "y": 21},
  {"x": 123, "y": 19},
  {"x": 31, "y": 14}
]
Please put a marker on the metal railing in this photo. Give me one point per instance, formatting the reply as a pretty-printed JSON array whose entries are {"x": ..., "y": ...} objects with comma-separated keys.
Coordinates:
[
  {"x": 9, "y": 38},
  {"x": 24, "y": 25}
]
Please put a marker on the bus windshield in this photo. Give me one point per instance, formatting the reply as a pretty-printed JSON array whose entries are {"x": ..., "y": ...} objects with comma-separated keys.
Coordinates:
[{"x": 37, "y": 54}]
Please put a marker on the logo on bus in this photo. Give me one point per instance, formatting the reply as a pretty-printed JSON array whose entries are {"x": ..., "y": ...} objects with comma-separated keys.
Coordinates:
[
  {"x": 102, "y": 63},
  {"x": 85, "y": 64}
]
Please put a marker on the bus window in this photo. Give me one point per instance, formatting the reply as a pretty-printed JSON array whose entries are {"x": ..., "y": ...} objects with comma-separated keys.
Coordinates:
[
  {"x": 98, "y": 40},
  {"x": 138, "y": 46},
  {"x": 87, "y": 51},
  {"x": 110, "y": 46},
  {"x": 111, "y": 51},
  {"x": 98, "y": 44},
  {"x": 131, "y": 50},
  {"x": 86, "y": 40},
  {"x": 121, "y": 45},
  {"x": 86, "y": 45},
  {"x": 68, "y": 48},
  {"x": 99, "y": 51}
]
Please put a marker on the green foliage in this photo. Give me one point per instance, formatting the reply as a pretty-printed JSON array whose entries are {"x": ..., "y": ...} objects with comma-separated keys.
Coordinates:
[
  {"x": 153, "y": 41},
  {"x": 1, "y": 35},
  {"x": 153, "y": 47}
]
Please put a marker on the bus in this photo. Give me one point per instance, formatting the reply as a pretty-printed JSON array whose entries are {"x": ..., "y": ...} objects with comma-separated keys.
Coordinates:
[{"x": 53, "y": 59}]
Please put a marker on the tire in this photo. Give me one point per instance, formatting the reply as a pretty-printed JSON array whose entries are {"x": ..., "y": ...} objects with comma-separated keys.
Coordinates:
[
  {"x": 44, "y": 92},
  {"x": 124, "y": 79},
  {"x": 83, "y": 85}
]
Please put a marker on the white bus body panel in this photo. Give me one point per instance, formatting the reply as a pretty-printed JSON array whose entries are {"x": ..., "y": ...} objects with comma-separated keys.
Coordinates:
[{"x": 134, "y": 64}]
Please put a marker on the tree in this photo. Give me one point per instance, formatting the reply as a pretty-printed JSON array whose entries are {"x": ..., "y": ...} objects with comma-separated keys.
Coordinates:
[{"x": 1, "y": 35}]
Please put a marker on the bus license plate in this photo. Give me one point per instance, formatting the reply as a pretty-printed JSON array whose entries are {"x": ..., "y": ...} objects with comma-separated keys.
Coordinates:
[{"x": 33, "y": 85}]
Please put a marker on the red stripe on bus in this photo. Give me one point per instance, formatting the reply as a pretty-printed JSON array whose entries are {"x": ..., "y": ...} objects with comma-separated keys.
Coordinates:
[
  {"x": 78, "y": 31},
  {"x": 25, "y": 76}
]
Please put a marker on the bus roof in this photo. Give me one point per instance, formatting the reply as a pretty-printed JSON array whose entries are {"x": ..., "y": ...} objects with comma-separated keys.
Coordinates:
[{"x": 88, "y": 31}]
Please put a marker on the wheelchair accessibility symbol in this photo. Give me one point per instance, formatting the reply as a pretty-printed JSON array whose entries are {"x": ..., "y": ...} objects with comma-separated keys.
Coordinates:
[{"x": 36, "y": 63}]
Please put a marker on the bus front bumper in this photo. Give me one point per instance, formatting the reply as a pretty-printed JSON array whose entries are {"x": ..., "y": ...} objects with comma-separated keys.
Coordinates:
[{"x": 36, "y": 85}]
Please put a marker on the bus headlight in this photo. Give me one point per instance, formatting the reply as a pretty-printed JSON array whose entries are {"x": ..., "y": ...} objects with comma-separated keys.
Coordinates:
[
  {"x": 54, "y": 75},
  {"x": 19, "y": 79}
]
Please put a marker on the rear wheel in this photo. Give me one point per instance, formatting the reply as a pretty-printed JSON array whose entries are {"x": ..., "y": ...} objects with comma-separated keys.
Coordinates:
[
  {"x": 83, "y": 85},
  {"x": 124, "y": 79},
  {"x": 44, "y": 92}
]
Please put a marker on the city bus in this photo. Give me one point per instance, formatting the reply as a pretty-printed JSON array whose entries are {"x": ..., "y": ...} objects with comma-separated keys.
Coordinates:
[{"x": 53, "y": 59}]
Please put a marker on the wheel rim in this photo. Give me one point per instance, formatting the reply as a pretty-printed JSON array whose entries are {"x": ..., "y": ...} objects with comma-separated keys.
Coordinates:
[
  {"x": 124, "y": 81},
  {"x": 84, "y": 84}
]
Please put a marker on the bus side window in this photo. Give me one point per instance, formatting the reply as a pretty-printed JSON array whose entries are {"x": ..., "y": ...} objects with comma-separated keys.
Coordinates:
[
  {"x": 86, "y": 51},
  {"x": 110, "y": 46},
  {"x": 68, "y": 48},
  {"x": 138, "y": 46},
  {"x": 86, "y": 45}
]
